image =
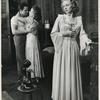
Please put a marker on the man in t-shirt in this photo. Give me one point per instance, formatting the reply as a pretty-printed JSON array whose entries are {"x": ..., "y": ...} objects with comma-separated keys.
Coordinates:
[{"x": 19, "y": 31}]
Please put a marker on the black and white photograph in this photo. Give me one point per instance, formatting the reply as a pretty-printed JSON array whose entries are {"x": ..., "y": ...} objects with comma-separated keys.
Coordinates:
[{"x": 49, "y": 50}]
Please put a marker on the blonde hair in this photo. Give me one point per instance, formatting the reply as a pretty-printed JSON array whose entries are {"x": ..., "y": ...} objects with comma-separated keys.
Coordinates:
[{"x": 74, "y": 4}]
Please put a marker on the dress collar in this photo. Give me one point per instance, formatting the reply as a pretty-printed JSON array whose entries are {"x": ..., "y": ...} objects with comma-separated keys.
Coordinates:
[{"x": 69, "y": 16}]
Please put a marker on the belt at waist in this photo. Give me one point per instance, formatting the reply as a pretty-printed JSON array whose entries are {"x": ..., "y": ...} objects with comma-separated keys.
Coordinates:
[{"x": 70, "y": 38}]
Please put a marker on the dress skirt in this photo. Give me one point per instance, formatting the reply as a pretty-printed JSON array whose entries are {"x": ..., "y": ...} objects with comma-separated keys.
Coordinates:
[
  {"x": 66, "y": 72},
  {"x": 34, "y": 55}
]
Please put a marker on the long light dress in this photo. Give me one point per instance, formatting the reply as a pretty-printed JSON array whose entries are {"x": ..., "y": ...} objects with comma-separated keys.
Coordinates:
[
  {"x": 33, "y": 50},
  {"x": 67, "y": 83}
]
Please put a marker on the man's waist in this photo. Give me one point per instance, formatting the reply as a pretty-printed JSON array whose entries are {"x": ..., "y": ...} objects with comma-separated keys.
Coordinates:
[{"x": 20, "y": 35}]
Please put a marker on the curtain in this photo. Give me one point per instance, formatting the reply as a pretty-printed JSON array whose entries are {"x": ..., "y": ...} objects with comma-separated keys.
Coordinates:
[
  {"x": 49, "y": 9},
  {"x": 89, "y": 11}
]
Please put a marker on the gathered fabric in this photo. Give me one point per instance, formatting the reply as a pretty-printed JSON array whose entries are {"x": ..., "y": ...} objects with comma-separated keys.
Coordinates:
[
  {"x": 66, "y": 83},
  {"x": 33, "y": 52}
]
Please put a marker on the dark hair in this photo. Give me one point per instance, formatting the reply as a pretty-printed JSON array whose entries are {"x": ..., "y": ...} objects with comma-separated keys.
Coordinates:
[
  {"x": 37, "y": 12},
  {"x": 22, "y": 5},
  {"x": 75, "y": 8}
]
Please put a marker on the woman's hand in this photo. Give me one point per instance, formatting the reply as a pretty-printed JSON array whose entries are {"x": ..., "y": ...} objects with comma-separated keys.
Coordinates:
[
  {"x": 78, "y": 29},
  {"x": 29, "y": 30},
  {"x": 69, "y": 33}
]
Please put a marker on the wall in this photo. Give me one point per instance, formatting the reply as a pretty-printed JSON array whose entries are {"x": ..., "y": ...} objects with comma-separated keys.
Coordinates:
[
  {"x": 5, "y": 31},
  {"x": 90, "y": 15}
]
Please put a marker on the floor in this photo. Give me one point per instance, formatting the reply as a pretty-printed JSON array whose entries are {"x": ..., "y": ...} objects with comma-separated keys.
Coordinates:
[
  {"x": 9, "y": 86},
  {"x": 10, "y": 92}
]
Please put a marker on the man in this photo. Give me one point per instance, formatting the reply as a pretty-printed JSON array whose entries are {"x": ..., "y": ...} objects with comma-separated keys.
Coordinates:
[{"x": 19, "y": 32}]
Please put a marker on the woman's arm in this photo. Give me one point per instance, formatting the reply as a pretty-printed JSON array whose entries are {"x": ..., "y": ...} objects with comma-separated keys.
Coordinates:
[
  {"x": 18, "y": 32},
  {"x": 84, "y": 40},
  {"x": 15, "y": 30},
  {"x": 33, "y": 26},
  {"x": 68, "y": 33},
  {"x": 56, "y": 35}
]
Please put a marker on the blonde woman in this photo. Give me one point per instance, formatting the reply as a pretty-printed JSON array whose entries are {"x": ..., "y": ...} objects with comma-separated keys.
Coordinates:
[{"x": 67, "y": 83}]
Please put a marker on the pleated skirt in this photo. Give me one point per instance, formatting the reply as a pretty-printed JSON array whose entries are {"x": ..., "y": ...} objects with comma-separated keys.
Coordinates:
[
  {"x": 66, "y": 84},
  {"x": 34, "y": 55}
]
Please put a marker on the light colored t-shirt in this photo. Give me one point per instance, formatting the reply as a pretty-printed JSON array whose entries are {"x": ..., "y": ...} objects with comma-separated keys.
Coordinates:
[{"x": 19, "y": 22}]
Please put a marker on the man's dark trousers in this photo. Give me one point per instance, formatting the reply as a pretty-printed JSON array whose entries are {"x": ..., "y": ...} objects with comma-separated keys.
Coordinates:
[{"x": 20, "y": 42}]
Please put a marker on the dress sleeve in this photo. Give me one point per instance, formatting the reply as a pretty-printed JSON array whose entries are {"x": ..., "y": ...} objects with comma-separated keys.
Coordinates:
[
  {"x": 56, "y": 37},
  {"x": 84, "y": 40}
]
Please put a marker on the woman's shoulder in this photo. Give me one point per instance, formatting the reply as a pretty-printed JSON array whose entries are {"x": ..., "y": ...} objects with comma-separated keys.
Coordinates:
[
  {"x": 60, "y": 15},
  {"x": 79, "y": 19},
  {"x": 30, "y": 20}
]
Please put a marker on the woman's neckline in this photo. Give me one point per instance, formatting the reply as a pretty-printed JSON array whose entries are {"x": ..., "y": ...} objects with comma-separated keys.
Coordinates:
[
  {"x": 69, "y": 15},
  {"x": 69, "y": 19}
]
